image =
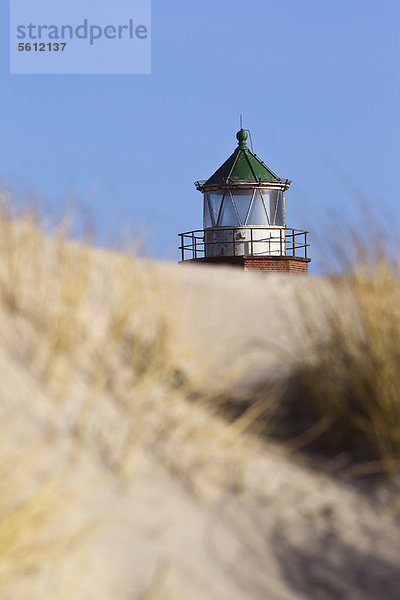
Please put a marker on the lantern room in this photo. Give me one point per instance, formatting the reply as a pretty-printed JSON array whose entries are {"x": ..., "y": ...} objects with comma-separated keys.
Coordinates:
[
  {"x": 244, "y": 215},
  {"x": 243, "y": 192}
]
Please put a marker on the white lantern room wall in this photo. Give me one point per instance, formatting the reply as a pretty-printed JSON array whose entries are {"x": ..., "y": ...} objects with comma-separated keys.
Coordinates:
[{"x": 239, "y": 222}]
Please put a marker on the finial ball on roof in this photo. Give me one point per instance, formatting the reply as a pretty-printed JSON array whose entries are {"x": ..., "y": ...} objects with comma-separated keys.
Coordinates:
[{"x": 242, "y": 135}]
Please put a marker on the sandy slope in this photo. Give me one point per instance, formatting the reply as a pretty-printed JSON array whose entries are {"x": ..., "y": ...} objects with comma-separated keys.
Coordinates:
[{"x": 184, "y": 508}]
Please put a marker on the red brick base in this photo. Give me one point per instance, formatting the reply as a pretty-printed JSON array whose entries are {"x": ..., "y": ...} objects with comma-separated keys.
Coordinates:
[
  {"x": 277, "y": 265},
  {"x": 261, "y": 264}
]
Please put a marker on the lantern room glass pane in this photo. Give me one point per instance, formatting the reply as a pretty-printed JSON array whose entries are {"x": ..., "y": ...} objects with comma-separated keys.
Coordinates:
[
  {"x": 242, "y": 201},
  {"x": 228, "y": 216},
  {"x": 276, "y": 200},
  {"x": 206, "y": 214},
  {"x": 212, "y": 204},
  {"x": 257, "y": 215}
]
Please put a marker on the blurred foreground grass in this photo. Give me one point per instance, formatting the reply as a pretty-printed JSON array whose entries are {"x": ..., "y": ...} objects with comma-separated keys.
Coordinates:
[
  {"x": 348, "y": 385},
  {"x": 73, "y": 334},
  {"x": 87, "y": 379},
  {"x": 88, "y": 371}
]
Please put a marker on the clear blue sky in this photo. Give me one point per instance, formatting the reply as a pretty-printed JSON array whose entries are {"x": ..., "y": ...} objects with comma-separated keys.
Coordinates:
[{"x": 317, "y": 82}]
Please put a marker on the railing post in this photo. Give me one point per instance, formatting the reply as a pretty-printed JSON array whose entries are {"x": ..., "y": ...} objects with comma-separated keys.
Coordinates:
[
  {"x": 182, "y": 246},
  {"x": 305, "y": 245},
  {"x": 233, "y": 242},
  {"x": 294, "y": 243},
  {"x": 251, "y": 242},
  {"x": 280, "y": 240},
  {"x": 193, "y": 245}
]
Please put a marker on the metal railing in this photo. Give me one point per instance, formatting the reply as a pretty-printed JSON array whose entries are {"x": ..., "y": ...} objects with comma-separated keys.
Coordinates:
[{"x": 245, "y": 241}]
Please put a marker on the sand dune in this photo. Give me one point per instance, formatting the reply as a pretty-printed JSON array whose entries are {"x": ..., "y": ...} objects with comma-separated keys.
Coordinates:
[{"x": 111, "y": 371}]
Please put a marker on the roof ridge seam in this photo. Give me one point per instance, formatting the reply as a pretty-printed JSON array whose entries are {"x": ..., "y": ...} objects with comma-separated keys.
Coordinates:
[
  {"x": 250, "y": 165},
  {"x": 234, "y": 162}
]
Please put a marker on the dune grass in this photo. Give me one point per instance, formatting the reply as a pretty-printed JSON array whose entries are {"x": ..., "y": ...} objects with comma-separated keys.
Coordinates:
[
  {"x": 36, "y": 529},
  {"x": 64, "y": 328},
  {"x": 347, "y": 385},
  {"x": 89, "y": 332}
]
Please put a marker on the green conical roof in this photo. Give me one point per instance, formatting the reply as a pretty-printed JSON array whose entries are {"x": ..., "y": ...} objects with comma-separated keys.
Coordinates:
[{"x": 242, "y": 165}]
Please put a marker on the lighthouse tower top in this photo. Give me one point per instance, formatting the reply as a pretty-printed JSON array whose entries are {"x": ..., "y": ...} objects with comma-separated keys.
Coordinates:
[
  {"x": 244, "y": 220},
  {"x": 243, "y": 168}
]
